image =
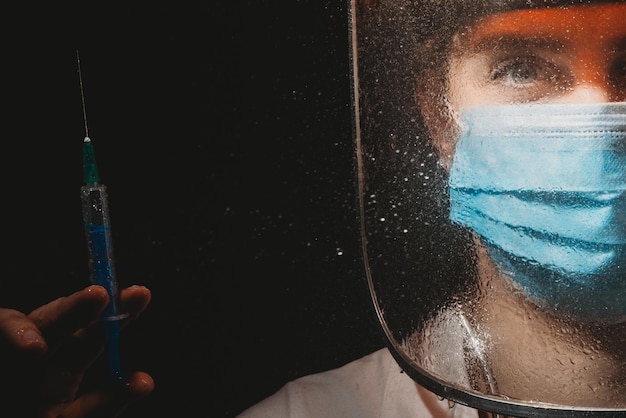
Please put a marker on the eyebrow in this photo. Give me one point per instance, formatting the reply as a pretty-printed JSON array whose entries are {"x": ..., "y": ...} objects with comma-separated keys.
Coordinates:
[{"x": 508, "y": 42}]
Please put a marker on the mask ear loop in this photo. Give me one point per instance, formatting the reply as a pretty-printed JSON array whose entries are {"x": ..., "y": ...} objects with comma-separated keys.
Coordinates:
[
  {"x": 477, "y": 368},
  {"x": 484, "y": 414}
]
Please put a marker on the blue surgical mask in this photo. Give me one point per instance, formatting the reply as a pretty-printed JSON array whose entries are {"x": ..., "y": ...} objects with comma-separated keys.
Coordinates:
[{"x": 544, "y": 186}]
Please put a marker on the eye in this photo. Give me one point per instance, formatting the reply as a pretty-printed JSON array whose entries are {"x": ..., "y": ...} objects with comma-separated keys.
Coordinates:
[{"x": 525, "y": 72}]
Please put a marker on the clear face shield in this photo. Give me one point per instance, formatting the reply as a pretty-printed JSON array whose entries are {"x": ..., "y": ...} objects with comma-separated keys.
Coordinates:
[{"x": 491, "y": 152}]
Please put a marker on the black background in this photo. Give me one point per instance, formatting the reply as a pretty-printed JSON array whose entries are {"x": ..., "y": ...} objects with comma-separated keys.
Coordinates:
[{"x": 223, "y": 133}]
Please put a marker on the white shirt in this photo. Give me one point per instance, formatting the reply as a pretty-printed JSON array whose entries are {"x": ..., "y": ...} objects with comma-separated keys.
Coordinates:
[{"x": 373, "y": 386}]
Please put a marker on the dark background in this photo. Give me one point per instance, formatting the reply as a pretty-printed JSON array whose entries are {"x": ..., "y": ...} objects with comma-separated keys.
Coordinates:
[{"x": 223, "y": 133}]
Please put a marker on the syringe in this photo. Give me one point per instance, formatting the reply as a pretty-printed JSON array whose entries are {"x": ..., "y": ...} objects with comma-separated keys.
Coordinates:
[{"x": 100, "y": 248}]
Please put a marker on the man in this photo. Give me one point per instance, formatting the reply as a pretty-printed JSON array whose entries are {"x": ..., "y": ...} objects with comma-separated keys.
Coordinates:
[
  {"x": 523, "y": 107},
  {"x": 530, "y": 321}
]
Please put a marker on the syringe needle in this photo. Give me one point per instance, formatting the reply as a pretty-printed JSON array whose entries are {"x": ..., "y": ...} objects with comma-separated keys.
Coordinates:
[{"x": 82, "y": 93}]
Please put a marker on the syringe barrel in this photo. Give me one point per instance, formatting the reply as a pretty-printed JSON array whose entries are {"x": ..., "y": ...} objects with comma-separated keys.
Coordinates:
[{"x": 99, "y": 242}]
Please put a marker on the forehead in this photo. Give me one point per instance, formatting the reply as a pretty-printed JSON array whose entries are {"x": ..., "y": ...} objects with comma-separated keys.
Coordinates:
[{"x": 605, "y": 22}]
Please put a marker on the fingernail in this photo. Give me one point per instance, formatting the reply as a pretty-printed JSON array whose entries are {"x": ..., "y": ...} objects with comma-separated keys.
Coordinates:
[{"x": 31, "y": 337}]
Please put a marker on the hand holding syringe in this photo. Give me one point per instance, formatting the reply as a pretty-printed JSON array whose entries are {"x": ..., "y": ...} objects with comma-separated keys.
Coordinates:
[
  {"x": 99, "y": 244},
  {"x": 47, "y": 353}
]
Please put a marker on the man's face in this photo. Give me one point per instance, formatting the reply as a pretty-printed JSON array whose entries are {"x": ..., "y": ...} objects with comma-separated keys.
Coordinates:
[{"x": 565, "y": 55}]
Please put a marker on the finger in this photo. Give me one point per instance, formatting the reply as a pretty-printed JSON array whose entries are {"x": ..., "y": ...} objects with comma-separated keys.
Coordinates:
[
  {"x": 81, "y": 349},
  {"x": 69, "y": 360},
  {"x": 60, "y": 322},
  {"x": 134, "y": 300},
  {"x": 65, "y": 315},
  {"x": 19, "y": 333},
  {"x": 112, "y": 401}
]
